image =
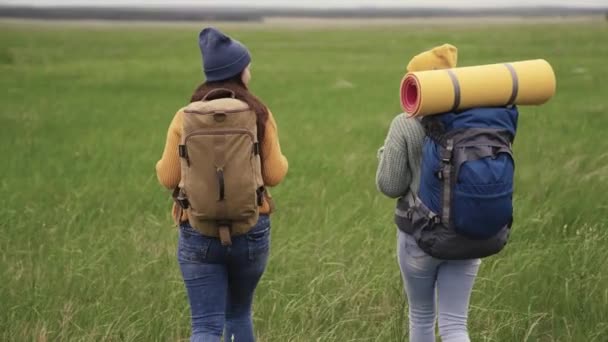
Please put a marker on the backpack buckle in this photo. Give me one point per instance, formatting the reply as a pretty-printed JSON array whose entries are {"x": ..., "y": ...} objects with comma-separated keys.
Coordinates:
[
  {"x": 260, "y": 195},
  {"x": 446, "y": 153},
  {"x": 183, "y": 202},
  {"x": 180, "y": 198}
]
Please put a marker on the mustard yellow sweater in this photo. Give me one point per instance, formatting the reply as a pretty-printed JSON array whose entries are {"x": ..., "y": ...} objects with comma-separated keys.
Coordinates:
[{"x": 168, "y": 171}]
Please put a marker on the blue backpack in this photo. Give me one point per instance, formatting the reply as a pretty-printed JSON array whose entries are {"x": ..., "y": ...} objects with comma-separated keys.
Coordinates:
[{"x": 464, "y": 208}]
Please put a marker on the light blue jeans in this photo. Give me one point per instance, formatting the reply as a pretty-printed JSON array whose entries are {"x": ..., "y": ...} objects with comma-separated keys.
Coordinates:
[{"x": 432, "y": 284}]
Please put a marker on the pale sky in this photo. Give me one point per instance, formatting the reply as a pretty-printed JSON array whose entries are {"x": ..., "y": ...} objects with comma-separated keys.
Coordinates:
[{"x": 312, "y": 3}]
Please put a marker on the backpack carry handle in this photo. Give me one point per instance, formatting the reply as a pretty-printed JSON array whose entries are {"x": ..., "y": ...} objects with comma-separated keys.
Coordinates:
[{"x": 216, "y": 90}]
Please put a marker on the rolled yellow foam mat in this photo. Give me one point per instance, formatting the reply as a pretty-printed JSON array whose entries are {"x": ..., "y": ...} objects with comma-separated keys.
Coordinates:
[{"x": 439, "y": 91}]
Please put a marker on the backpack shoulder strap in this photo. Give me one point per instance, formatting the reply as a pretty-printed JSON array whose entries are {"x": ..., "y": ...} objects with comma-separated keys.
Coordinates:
[{"x": 434, "y": 129}]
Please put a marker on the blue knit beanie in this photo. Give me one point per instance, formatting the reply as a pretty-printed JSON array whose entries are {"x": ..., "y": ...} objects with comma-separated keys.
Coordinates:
[{"x": 223, "y": 57}]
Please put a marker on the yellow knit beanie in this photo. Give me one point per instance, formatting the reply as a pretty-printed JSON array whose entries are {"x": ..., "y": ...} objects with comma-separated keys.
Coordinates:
[{"x": 440, "y": 57}]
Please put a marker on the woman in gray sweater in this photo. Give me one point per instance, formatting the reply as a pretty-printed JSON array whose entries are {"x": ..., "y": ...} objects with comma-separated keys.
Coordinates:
[{"x": 432, "y": 285}]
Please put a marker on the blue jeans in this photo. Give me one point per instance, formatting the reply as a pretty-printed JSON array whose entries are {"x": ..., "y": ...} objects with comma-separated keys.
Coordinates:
[
  {"x": 221, "y": 281},
  {"x": 426, "y": 277}
]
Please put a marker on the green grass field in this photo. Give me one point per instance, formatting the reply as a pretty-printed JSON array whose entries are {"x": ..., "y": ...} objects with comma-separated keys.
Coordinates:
[{"x": 87, "y": 248}]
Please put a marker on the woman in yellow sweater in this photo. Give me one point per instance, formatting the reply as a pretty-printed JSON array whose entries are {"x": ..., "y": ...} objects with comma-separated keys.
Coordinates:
[{"x": 221, "y": 280}]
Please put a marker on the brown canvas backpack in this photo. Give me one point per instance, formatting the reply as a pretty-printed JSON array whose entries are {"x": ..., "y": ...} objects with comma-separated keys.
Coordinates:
[{"x": 221, "y": 183}]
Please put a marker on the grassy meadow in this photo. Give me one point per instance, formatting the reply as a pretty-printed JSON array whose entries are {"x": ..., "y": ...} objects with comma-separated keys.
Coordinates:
[{"x": 87, "y": 248}]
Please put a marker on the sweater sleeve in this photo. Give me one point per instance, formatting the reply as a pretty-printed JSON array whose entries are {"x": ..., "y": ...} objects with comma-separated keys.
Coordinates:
[
  {"x": 275, "y": 163},
  {"x": 168, "y": 167},
  {"x": 394, "y": 176}
]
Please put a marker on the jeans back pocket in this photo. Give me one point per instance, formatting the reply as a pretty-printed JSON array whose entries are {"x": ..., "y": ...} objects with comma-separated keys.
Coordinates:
[
  {"x": 192, "y": 245},
  {"x": 258, "y": 239}
]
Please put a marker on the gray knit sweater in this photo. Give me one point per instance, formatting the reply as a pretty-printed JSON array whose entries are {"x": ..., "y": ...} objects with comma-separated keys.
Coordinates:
[{"x": 400, "y": 158}]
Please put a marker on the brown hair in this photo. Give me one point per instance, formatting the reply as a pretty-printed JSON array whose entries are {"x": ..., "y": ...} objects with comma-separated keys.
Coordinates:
[{"x": 242, "y": 93}]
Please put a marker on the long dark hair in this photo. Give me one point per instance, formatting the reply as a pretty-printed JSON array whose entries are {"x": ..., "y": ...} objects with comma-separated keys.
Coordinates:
[{"x": 242, "y": 93}]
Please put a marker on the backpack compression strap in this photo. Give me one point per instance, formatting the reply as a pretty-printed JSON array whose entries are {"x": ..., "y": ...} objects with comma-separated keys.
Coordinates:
[
  {"x": 446, "y": 176},
  {"x": 515, "y": 88},
  {"x": 458, "y": 91},
  {"x": 456, "y": 86}
]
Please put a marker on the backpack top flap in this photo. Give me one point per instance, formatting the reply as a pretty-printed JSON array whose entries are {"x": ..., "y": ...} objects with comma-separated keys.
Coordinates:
[
  {"x": 502, "y": 118},
  {"x": 219, "y": 113}
]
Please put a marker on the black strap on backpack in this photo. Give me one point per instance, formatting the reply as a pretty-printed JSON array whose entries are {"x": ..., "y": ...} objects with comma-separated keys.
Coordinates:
[
  {"x": 447, "y": 177},
  {"x": 434, "y": 129},
  {"x": 180, "y": 198},
  {"x": 182, "y": 202}
]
